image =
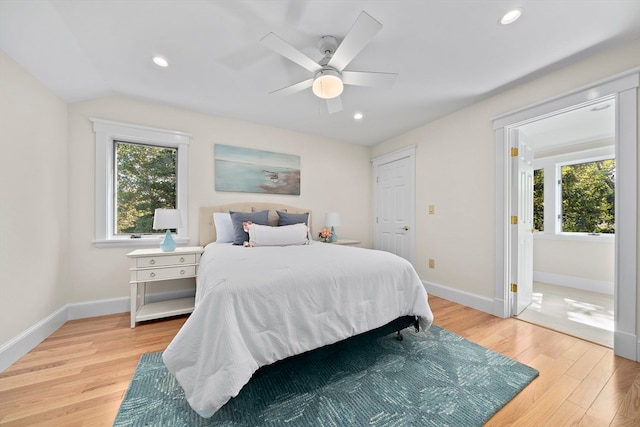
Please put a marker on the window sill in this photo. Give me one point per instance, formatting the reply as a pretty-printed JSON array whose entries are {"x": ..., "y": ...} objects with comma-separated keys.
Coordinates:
[
  {"x": 582, "y": 237},
  {"x": 141, "y": 242}
]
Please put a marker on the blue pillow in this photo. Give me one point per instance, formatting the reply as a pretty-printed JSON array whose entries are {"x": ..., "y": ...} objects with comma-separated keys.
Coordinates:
[
  {"x": 285, "y": 218},
  {"x": 237, "y": 218}
]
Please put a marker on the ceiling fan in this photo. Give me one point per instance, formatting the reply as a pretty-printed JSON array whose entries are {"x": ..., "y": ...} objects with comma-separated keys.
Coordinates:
[{"x": 329, "y": 75}]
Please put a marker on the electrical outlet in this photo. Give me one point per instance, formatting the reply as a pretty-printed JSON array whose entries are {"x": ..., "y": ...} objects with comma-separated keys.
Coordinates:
[
  {"x": 432, "y": 209},
  {"x": 432, "y": 263}
]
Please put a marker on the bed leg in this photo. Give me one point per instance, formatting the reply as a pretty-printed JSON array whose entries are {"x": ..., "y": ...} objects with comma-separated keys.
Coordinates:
[
  {"x": 398, "y": 336},
  {"x": 416, "y": 324}
]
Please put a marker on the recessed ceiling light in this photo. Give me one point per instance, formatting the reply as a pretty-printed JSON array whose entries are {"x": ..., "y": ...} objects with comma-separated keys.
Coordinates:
[
  {"x": 511, "y": 16},
  {"x": 160, "y": 61},
  {"x": 358, "y": 116}
]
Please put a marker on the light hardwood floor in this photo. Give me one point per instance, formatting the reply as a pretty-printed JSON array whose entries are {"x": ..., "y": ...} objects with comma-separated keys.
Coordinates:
[{"x": 79, "y": 375}]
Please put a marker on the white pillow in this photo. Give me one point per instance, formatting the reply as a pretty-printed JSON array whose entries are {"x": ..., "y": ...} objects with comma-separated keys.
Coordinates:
[
  {"x": 224, "y": 227},
  {"x": 264, "y": 235}
]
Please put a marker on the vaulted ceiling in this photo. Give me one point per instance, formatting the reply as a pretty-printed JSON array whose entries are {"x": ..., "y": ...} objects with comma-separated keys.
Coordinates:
[{"x": 448, "y": 54}]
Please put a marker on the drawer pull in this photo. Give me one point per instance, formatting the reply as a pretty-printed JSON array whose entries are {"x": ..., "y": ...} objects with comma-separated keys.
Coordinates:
[
  {"x": 181, "y": 259},
  {"x": 181, "y": 271},
  {"x": 153, "y": 261},
  {"x": 152, "y": 274}
]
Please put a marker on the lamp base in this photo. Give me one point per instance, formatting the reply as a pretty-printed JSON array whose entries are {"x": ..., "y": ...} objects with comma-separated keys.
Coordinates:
[
  {"x": 168, "y": 244},
  {"x": 334, "y": 236}
]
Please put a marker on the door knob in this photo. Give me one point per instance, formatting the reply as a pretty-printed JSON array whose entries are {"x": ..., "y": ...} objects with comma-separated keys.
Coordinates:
[{"x": 405, "y": 228}]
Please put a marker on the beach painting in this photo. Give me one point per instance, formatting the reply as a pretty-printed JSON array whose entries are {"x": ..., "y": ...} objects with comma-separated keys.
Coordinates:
[{"x": 246, "y": 170}]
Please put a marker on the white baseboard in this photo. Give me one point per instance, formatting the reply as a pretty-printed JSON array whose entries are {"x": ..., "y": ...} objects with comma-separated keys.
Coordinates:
[
  {"x": 626, "y": 345},
  {"x": 20, "y": 345},
  {"x": 461, "y": 297},
  {"x": 83, "y": 310},
  {"x": 599, "y": 286}
]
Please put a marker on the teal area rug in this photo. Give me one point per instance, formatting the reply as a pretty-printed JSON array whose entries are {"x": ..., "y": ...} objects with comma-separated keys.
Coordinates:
[{"x": 433, "y": 379}]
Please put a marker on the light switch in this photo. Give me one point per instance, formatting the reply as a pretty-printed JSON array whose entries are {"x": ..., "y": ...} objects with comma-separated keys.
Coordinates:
[{"x": 432, "y": 209}]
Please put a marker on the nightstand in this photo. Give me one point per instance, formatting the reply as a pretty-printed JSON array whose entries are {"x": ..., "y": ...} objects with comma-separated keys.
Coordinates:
[
  {"x": 346, "y": 242},
  {"x": 149, "y": 266}
]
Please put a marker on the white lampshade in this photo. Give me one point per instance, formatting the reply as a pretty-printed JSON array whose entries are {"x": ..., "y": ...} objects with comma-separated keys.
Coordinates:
[
  {"x": 164, "y": 219},
  {"x": 332, "y": 219},
  {"x": 327, "y": 84}
]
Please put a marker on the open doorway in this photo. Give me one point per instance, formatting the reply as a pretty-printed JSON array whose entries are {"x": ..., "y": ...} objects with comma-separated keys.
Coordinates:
[
  {"x": 624, "y": 88},
  {"x": 573, "y": 212}
]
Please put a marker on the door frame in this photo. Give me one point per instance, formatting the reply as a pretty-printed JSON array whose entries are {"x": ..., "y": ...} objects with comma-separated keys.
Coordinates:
[
  {"x": 407, "y": 152},
  {"x": 624, "y": 87}
]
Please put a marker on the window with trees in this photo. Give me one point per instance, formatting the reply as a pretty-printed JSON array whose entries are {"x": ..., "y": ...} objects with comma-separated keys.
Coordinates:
[
  {"x": 145, "y": 180},
  {"x": 138, "y": 169},
  {"x": 575, "y": 194},
  {"x": 588, "y": 197},
  {"x": 538, "y": 199}
]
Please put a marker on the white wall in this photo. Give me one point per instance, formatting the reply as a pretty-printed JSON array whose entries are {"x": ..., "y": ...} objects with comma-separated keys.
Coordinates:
[
  {"x": 334, "y": 177},
  {"x": 577, "y": 263},
  {"x": 33, "y": 201},
  {"x": 455, "y": 163}
]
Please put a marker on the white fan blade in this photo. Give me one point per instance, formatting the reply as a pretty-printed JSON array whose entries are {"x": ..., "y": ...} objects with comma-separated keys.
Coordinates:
[
  {"x": 334, "y": 105},
  {"x": 365, "y": 78},
  {"x": 275, "y": 43},
  {"x": 363, "y": 30},
  {"x": 297, "y": 87}
]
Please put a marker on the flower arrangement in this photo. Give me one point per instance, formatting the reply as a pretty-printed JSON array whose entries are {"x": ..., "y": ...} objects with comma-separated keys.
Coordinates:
[{"x": 324, "y": 234}]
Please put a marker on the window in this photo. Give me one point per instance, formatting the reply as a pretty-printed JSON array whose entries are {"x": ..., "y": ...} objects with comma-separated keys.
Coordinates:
[
  {"x": 538, "y": 199},
  {"x": 575, "y": 193},
  {"x": 138, "y": 169},
  {"x": 145, "y": 180},
  {"x": 588, "y": 197}
]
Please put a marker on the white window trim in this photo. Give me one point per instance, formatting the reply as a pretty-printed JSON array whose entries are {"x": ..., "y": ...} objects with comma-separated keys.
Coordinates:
[
  {"x": 107, "y": 132},
  {"x": 552, "y": 166}
]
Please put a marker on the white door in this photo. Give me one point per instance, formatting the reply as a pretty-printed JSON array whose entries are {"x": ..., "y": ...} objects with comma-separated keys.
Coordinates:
[
  {"x": 521, "y": 223},
  {"x": 394, "y": 210}
]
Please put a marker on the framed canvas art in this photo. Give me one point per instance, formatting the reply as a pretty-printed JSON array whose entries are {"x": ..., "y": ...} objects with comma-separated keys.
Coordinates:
[{"x": 246, "y": 170}]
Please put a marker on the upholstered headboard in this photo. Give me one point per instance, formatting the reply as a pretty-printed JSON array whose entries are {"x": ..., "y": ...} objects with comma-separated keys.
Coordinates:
[{"x": 208, "y": 230}]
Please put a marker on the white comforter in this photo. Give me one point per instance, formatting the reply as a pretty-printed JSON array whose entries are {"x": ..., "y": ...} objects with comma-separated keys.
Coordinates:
[{"x": 255, "y": 306}]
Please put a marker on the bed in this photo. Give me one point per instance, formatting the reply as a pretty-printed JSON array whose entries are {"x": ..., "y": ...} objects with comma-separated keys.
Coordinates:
[{"x": 257, "y": 305}]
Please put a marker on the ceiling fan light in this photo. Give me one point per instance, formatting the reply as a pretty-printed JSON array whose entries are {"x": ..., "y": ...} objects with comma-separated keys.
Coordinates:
[{"x": 327, "y": 84}]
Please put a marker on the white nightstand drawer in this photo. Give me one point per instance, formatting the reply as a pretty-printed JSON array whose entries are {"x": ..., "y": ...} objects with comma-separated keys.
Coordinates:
[
  {"x": 166, "y": 273},
  {"x": 159, "y": 261}
]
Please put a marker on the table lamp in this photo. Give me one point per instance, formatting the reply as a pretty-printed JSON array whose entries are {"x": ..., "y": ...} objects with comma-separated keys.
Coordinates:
[
  {"x": 332, "y": 219},
  {"x": 167, "y": 219}
]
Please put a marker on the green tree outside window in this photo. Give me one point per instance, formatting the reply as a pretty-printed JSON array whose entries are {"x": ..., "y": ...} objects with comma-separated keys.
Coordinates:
[
  {"x": 145, "y": 180},
  {"x": 588, "y": 197},
  {"x": 538, "y": 199}
]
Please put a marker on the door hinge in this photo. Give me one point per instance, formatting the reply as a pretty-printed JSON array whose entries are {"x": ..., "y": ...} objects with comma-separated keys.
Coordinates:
[
  {"x": 377, "y": 180},
  {"x": 376, "y": 220},
  {"x": 514, "y": 287},
  {"x": 514, "y": 151},
  {"x": 514, "y": 219}
]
